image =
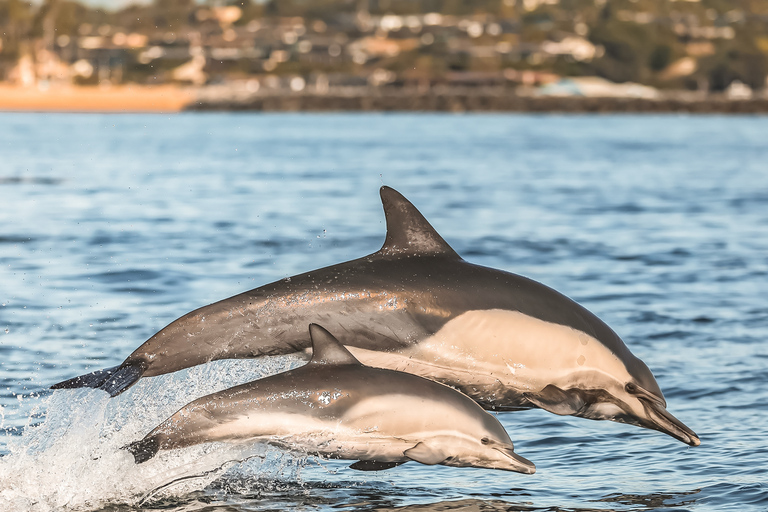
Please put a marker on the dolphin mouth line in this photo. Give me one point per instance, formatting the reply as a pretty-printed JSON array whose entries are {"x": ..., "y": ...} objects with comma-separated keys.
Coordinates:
[
  {"x": 521, "y": 464},
  {"x": 664, "y": 421}
]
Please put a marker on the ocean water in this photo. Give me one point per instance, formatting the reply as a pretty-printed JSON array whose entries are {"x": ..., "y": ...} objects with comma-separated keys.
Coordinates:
[{"x": 112, "y": 226}]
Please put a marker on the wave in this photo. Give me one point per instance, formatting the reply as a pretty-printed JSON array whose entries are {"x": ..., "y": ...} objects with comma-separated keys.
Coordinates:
[{"x": 72, "y": 460}]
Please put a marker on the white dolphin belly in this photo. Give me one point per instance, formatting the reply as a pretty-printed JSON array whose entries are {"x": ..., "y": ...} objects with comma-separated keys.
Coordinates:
[
  {"x": 509, "y": 354},
  {"x": 367, "y": 431}
]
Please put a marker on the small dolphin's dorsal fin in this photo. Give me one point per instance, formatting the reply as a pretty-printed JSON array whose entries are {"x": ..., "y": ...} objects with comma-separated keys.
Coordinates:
[
  {"x": 408, "y": 232},
  {"x": 328, "y": 350}
]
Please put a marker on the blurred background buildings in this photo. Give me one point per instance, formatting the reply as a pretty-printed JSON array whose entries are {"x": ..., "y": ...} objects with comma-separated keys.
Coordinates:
[{"x": 620, "y": 48}]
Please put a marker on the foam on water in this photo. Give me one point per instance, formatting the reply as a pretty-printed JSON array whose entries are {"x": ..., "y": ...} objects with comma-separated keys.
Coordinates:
[{"x": 73, "y": 459}]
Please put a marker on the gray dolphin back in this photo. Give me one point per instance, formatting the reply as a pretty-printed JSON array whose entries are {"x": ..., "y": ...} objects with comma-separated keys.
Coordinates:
[{"x": 408, "y": 234}]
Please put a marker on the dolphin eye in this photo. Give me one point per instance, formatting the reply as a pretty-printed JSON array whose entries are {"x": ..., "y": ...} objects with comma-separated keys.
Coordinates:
[
  {"x": 631, "y": 388},
  {"x": 485, "y": 440}
]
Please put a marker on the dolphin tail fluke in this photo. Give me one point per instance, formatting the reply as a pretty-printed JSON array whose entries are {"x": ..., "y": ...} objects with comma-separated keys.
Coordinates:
[
  {"x": 112, "y": 380},
  {"x": 145, "y": 449},
  {"x": 89, "y": 380},
  {"x": 125, "y": 377}
]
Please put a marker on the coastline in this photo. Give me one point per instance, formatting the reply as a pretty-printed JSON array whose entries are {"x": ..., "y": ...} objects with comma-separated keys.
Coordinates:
[
  {"x": 471, "y": 100},
  {"x": 170, "y": 98}
]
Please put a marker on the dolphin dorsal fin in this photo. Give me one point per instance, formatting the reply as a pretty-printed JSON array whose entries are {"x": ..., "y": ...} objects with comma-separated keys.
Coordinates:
[
  {"x": 408, "y": 232},
  {"x": 328, "y": 350}
]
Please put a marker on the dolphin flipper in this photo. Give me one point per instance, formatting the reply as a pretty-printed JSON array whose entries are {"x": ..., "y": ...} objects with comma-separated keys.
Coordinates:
[
  {"x": 113, "y": 380},
  {"x": 556, "y": 400},
  {"x": 425, "y": 454},
  {"x": 373, "y": 465}
]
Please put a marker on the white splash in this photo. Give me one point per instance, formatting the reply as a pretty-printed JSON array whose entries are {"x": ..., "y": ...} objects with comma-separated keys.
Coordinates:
[{"x": 73, "y": 460}]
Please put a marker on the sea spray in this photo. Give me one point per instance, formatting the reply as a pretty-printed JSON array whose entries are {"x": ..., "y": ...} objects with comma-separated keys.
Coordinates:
[{"x": 73, "y": 458}]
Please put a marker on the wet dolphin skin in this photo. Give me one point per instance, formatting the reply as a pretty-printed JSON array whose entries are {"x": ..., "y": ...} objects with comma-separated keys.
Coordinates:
[
  {"x": 415, "y": 305},
  {"x": 338, "y": 408}
]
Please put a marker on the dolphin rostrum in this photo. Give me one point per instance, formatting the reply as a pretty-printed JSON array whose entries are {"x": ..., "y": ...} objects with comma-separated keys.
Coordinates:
[
  {"x": 336, "y": 407},
  {"x": 506, "y": 341}
]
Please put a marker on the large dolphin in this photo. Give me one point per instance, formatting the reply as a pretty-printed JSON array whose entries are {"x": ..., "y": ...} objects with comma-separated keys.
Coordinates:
[
  {"x": 506, "y": 341},
  {"x": 338, "y": 408}
]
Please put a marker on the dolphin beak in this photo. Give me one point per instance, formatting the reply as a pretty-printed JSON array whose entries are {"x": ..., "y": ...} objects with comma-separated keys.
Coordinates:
[
  {"x": 514, "y": 462},
  {"x": 521, "y": 464},
  {"x": 663, "y": 421}
]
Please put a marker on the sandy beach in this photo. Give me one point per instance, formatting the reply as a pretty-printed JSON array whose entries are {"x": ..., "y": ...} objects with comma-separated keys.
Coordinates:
[{"x": 123, "y": 98}]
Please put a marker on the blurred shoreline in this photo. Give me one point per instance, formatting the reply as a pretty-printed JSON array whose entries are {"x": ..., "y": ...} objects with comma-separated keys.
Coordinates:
[
  {"x": 458, "y": 99},
  {"x": 172, "y": 98},
  {"x": 313, "y": 55}
]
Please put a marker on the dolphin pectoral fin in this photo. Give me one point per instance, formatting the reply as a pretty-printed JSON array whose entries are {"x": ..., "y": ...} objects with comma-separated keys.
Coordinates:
[
  {"x": 556, "y": 400},
  {"x": 144, "y": 449},
  {"x": 89, "y": 380},
  {"x": 665, "y": 422},
  {"x": 425, "y": 454},
  {"x": 373, "y": 465}
]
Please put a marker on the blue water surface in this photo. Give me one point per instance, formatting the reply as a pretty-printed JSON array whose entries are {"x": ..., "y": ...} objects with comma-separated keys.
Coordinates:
[{"x": 112, "y": 226}]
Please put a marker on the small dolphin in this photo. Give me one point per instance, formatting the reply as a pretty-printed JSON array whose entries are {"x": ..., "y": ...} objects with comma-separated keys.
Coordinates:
[
  {"x": 336, "y": 407},
  {"x": 506, "y": 341}
]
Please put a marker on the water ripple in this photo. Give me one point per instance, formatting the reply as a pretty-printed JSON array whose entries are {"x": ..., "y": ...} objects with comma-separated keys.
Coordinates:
[{"x": 655, "y": 223}]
